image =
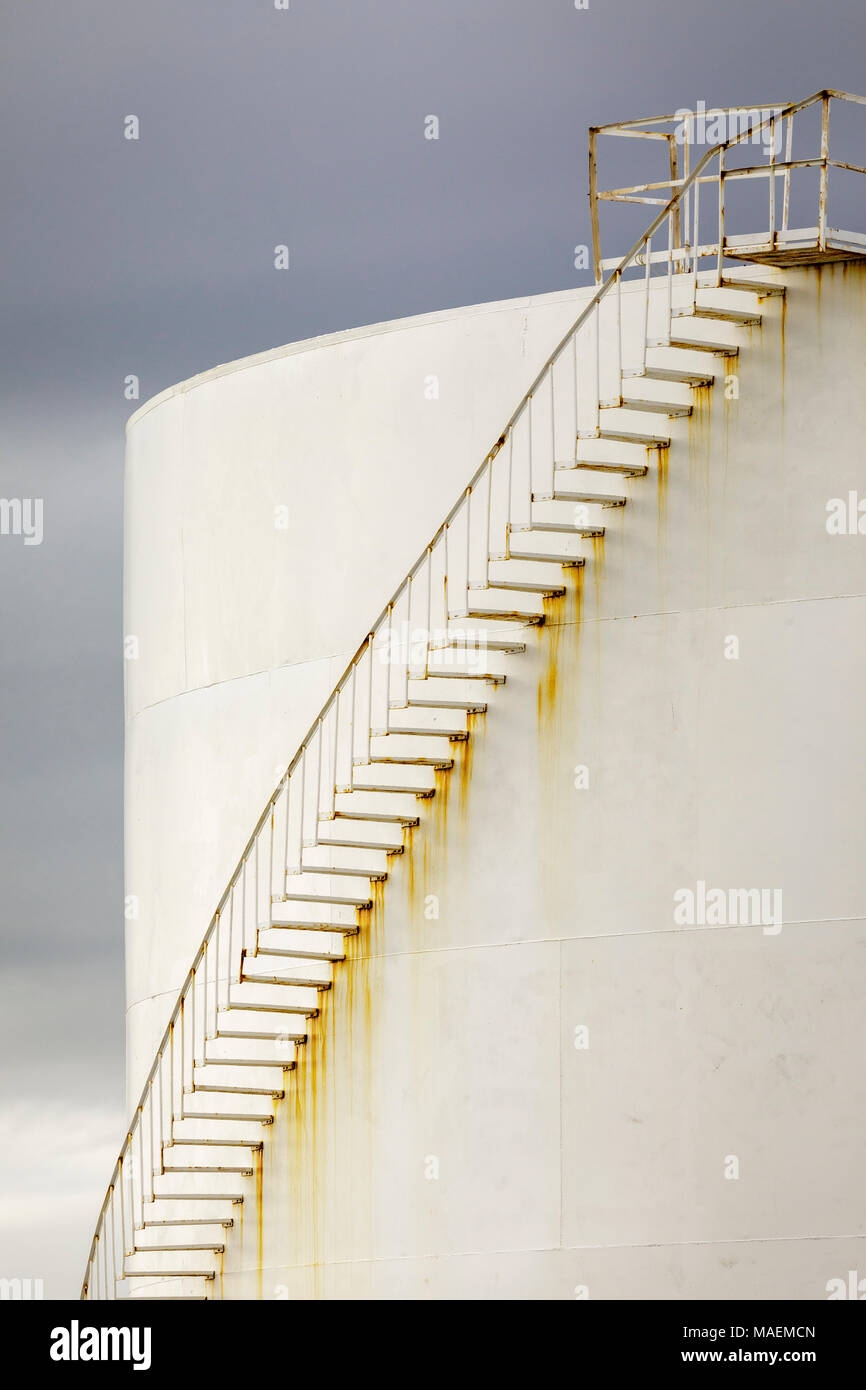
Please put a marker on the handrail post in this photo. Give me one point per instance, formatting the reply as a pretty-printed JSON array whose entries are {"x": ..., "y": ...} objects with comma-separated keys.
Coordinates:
[
  {"x": 674, "y": 163},
  {"x": 825, "y": 155},
  {"x": 789, "y": 144},
  {"x": 721, "y": 247},
  {"x": 772, "y": 182},
  {"x": 593, "y": 203}
]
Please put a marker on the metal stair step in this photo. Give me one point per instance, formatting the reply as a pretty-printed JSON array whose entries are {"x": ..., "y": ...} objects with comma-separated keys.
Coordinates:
[
  {"x": 454, "y": 735},
  {"x": 761, "y": 288},
  {"x": 436, "y": 724},
  {"x": 251, "y": 1055},
  {"x": 190, "y": 1211},
  {"x": 269, "y": 1023},
  {"x": 385, "y": 817},
  {"x": 419, "y": 760},
  {"x": 446, "y": 673},
  {"x": 338, "y": 899},
  {"x": 263, "y": 974},
  {"x": 490, "y": 644},
  {"x": 169, "y": 1246},
  {"x": 181, "y": 1187},
  {"x": 343, "y": 870},
  {"x": 670, "y": 374},
  {"x": 193, "y": 1161},
  {"x": 578, "y": 495},
  {"x": 286, "y": 918},
  {"x": 695, "y": 345},
  {"x": 165, "y": 1223},
  {"x": 253, "y": 1006},
  {"x": 275, "y": 943},
  {"x": 548, "y": 557},
  {"x": 740, "y": 317},
  {"x": 673, "y": 409},
  {"x": 383, "y": 789},
  {"x": 214, "y": 1131},
  {"x": 363, "y": 862},
  {"x": 644, "y": 437},
  {"x": 345, "y": 843},
  {"x": 527, "y": 586},
  {"x": 564, "y": 528},
  {"x": 470, "y": 706},
  {"x": 628, "y": 470},
  {"x": 212, "y": 1079},
  {"x": 226, "y": 1104},
  {"x": 514, "y": 615}
]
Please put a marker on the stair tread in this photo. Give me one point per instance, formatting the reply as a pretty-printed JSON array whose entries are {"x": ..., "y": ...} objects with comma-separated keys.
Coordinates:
[
  {"x": 623, "y": 436},
  {"x": 696, "y": 345},
  {"x": 759, "y": 287},
  {"x": 569, "y": 561},
  {"x": 629, "y": 470},
  {"x": 340, "y": 899},
  {"x": 386, "y": 817},
  {"x": 676, "y": 410},
  {"x": 296, "y": 924},
  {"x": 567, "y": 495},
  {"x": 528, "y": 586},
  {"x": 670, "y": 374},
  {"x": 563, "y": 528},
  {"x": 741, "y": 317}
]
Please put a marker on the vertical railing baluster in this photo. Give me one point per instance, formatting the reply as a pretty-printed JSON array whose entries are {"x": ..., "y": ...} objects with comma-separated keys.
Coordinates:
[
  {"x": 428, "y": 624},
  {"x": 596, "y": 415},
  {"x": 825, "y": 172},
  {"x": 576, "y": 379},
  {"x": 549, "y": 472},
  {"x": 368, "y": 723},
  {"x": 121, "y": 1178},
  {"x": 301, "y": 774},
  {"x": 113, "y": 1242},
  {"x": 285, "y": 868},
  {"x": 669, "y": 291},
  {"x": 529, "y": 462},
  {"x": 789, "y": 144},
  {"x": 310, "y": 839},
  {"x": 646, "y": 303},
  {"x": 139, "y": 1121},
  {"x": 508, "y": 491},
  {"x": 772, "y": 177},
  {"x": 487, "y": 542},
  {"x": 618, "y": 396},
  {"x": 346, "y": 785},
  {"x": 721, "y": 247},
  {"x": 464, "y": 606}
]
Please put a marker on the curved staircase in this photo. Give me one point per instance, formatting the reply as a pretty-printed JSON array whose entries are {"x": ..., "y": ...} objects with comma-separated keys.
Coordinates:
[{"x": 440, "y": 651}]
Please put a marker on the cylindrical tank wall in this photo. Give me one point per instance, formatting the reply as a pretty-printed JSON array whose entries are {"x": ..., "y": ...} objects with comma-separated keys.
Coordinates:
[
  {"x": 530, "y": 1078},
  {"x": 272, "y": 507}
]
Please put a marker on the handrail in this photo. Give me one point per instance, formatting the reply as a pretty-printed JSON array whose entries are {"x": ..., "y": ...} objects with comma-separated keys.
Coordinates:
[
  {"x": 779, "y": 113},
  {"x": 356, "y": 693}
]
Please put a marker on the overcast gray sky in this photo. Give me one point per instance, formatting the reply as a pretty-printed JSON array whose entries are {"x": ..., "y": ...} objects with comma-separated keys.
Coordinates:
[{"x": 155, "y": 257}]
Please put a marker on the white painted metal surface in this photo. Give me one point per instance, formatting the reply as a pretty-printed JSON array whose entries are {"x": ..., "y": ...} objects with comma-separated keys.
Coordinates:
[{"x": 443, "y": 1133}]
